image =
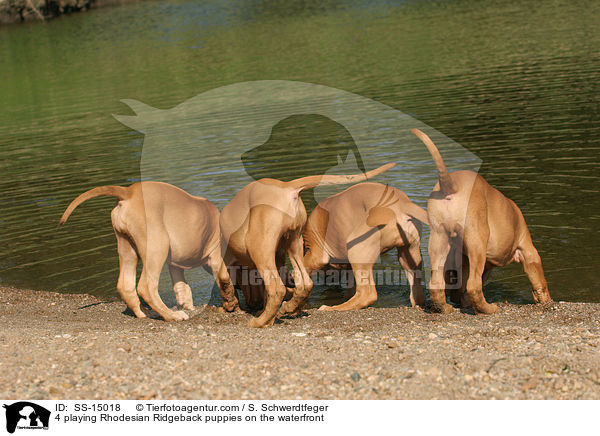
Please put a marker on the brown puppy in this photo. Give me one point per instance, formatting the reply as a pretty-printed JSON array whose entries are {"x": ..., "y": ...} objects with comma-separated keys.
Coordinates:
[
  {"x": 359, "y": 224},
  {"x": 473, "y": 220},
  {"x": 263, "y": 223},
  {"x": 158, "y": 222}
]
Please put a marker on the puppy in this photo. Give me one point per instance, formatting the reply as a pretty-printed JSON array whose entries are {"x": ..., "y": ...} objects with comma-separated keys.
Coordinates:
[
  {"x": 262, "y": 224},
  {"x": 475, "y": 222},
  {"x": 356, "y": 226},
  {"x": 160, "y": 223}
]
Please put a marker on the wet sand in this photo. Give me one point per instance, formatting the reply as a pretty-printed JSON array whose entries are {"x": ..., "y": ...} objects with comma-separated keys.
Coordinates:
[{"x": 62, "y": 346}]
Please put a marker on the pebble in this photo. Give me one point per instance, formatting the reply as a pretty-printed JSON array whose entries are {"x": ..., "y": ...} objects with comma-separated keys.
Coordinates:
[
  {"x": 434, "y": 371},
  {"x": 530, "y": 384}
]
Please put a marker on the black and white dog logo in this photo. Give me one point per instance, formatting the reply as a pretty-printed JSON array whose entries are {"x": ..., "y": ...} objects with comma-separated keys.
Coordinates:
[{"x": 26, "y": 415}]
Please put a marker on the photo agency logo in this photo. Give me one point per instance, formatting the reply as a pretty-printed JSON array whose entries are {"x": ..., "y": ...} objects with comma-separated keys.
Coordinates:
[
  {"x": 318, "y": 141},
  {"x": 25, "y": 415}
]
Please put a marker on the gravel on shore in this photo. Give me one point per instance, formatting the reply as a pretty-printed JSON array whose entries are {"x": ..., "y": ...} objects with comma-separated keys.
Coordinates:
[{"x": 64, "y": 346}]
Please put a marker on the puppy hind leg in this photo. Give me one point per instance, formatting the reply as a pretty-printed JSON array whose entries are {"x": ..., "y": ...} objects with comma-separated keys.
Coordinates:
[
  {"x": 148, "y": 285},
  {"x": 439, "y": 248},
  {"x": 465, "y": 300},
  {"x": 275, "y": 291},
  {"x": 476, "y": 245},
  {"x": 183, "y": 292},
  {"x": 262, "y": 244},
  {"x": 128, "y": 260}
]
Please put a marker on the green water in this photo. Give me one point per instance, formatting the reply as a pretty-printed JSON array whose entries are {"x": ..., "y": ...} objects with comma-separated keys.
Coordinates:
[{"x": 516, "y": 83}]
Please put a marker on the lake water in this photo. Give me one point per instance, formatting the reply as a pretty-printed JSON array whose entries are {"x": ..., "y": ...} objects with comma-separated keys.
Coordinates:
[{"x": 516, "y": 83}]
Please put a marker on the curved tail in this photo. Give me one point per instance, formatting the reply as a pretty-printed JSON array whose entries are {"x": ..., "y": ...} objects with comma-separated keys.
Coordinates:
[
  {"x": 121, "y": 192},
  {"x": 327, "y": 179},
  {"x": 446, "y": 184}
]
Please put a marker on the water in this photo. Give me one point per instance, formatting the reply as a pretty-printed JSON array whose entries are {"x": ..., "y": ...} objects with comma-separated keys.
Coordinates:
[{"x": 515, "y": 83}]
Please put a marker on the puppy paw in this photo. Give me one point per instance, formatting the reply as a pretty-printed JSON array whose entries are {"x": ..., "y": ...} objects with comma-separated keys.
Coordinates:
[
  {"x": 418, "y": 304},
  {"x": 177, "y": 315},
  {"x": 486, "y": 309},
  {"x": 288, "y": 309},
  {"x": 444, "y": 309},
  {"x": 326, "y": 308},
  {"x": 256, "y": 323},
  {"x": 229, "y": 307},
  {"x": 542, "y": 296}
]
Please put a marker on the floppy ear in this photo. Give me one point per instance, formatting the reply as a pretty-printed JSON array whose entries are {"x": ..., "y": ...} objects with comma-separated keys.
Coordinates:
[
  {"x": 380, "y": 216},
  {"x": 138, "y": 121}
]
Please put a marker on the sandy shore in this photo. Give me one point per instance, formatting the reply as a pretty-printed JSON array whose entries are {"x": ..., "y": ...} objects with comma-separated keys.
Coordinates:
[{"x": 58, "y": 346}]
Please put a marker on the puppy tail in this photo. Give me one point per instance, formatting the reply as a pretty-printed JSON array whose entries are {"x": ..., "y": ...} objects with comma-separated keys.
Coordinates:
[
  {"x": 327, "y": 179},
  {"x": 446, "y": 184},
  {"x": 121, "y": 192}
]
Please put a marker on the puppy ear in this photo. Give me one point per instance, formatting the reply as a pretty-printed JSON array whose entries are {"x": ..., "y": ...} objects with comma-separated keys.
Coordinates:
[{"x": 380, "y": 216}]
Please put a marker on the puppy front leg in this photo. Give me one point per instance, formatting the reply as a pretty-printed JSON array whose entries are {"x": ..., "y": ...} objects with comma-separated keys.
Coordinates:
[
  {"x": 475, "y": 242},
  {"x": 302, "y": 281},
  {"x": 366, "y": 293},
  {"x": 183, "y": 292},
  {"x": 275, "y": 291},
  {"x": 532, "y": 264},
  {"x": 221, "y": 275},
  {"x": 411, "y": 262}
]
